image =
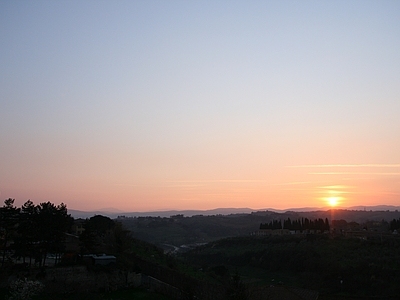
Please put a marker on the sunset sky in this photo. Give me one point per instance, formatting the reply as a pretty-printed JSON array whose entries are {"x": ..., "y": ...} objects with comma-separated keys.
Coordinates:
[{"x": 157, "y": 105}]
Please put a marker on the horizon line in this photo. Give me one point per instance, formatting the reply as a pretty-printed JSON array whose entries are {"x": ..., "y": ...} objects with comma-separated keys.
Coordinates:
[{"x": 238, "y": 208}]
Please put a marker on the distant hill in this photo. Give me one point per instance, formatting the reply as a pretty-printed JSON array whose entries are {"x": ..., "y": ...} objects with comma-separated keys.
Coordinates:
[
  {"x": 162, "y": 214},
  {"x": 114, "y": 213},
  {"x": 375, "y": 208}
]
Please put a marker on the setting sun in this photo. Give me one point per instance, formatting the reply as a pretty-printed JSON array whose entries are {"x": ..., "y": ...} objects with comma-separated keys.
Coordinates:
[{"x": 333, "y": 201}]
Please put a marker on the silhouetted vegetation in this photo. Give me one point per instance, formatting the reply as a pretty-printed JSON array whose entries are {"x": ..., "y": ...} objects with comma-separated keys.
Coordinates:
[
  {"x": 331, "y": 266},
  {"x": 301, "y": 251},
  {"x": 36, "y": 230},
  {"x": 180, "y": 230},
  {"x": 104, "y": 235},
  {"x": 8, "y": 222},
  {"x": 298, "y": 225},
  {"x": 395, "y": 225}
]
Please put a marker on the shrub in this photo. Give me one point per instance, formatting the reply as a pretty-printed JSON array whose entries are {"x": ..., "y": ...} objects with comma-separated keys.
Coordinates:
[{"x": 25, "y": 289}]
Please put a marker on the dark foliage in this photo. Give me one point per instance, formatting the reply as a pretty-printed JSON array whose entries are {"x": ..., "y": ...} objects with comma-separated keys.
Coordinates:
[
  {"x": 104, "y": 235},
  {"x": 303, "y": 224},
  {"x": 395, "y": 224},
  {"x": 35, "y": 229},
  {"x": 331, "y": 266}
]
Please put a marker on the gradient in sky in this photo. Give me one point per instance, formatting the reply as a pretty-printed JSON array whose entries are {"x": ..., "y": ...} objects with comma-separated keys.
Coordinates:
[{"x": 154, "y": 105}]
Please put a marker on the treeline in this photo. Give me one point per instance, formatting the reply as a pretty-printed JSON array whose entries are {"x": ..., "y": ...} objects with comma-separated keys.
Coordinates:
[
  {"x": 31, "y": 232},
  {"x": 298, "y": 225},
  {"x": 36, "y": 230},
  {"x": 395, "y": 224},
  {"x": 103, "y": 235}
]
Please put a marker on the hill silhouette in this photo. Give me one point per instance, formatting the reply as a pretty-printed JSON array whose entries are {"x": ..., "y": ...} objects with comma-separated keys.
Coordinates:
[{"x": 114, "y": 212}]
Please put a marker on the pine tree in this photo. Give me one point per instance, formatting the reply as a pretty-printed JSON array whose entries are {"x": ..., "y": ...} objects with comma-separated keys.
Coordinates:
[{"x": 8, "y": 223}]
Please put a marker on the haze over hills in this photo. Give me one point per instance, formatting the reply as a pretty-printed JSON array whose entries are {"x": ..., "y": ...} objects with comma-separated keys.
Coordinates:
[{"x": 114, "y": 213}]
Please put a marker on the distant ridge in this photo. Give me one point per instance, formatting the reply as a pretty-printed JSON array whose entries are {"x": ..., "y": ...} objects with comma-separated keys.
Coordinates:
[
  {"x": 375, "y": 208},
  {"x": 167, "y": 213},
  {"x": 298, "y": 209},
  {"x": 111, "y": 210},
  {"x": 114, "y": 213}
]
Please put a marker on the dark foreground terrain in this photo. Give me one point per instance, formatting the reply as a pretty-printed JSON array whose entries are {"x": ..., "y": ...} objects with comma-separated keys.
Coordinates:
[
  {"x": 334, "y": 267},
  {"x": 137, "y": 294},
  {"x": 181, "y": 230},
  {"x": 303, "y": 266},
  {"x": 331, "y": 255}
]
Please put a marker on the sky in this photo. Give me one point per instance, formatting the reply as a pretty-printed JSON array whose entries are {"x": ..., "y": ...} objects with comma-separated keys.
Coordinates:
[{"x": 158, "y": 105}]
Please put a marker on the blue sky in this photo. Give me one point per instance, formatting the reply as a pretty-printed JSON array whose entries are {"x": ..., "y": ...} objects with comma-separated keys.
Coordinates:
[{"x": 199, "y": 104}]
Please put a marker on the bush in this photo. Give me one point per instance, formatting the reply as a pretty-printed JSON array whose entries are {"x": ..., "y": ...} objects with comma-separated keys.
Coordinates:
[{"x": 25, "y": 289}]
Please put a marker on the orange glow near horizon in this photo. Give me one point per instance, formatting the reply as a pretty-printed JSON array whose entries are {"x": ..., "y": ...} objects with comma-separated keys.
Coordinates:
[
  {"x": 334, "y": 197},
  {"x": 281, "y": 190},
  {"x": 333, "y": 201}
]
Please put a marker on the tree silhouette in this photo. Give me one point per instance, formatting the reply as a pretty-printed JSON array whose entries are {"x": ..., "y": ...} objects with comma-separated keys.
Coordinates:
[
  {"x": 395, "y": 224},
  {"x": 52, "y": 223},
  {"x": 97, "y": 229},
  {"x": 36, "y": 230},
  {"x": 298, "y": 225},
  {"x": 24, "y": 244},
  {"x": 104, "y": 235},
  {"x": 8, "y": 222}
]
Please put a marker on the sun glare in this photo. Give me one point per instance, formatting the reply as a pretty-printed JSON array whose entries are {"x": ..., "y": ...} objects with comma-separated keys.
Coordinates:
[
  {"x": 333, "y": 201},
  {"x": 333, "y": 197}
]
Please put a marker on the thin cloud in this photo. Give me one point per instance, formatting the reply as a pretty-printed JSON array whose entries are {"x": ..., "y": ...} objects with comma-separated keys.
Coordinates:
[
  {"x": 335, "y": 192},
  {"x": 296, "y": 189},
  {"x": 354, "y": 173},
  {"x": 217, "y": 180},
  {"x": 185, "y": 185},
  {"x": 330, "y": 187},
  {"x": 348, "y": 166},
  {"x": 294, "y": 183}
]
